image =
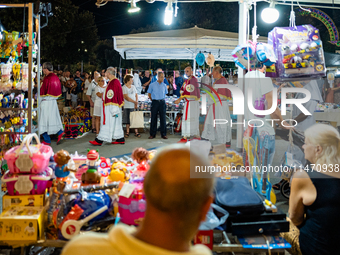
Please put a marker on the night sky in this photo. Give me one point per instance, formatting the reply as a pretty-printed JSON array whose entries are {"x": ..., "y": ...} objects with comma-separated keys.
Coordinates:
[{"x": 113, "y": 18}]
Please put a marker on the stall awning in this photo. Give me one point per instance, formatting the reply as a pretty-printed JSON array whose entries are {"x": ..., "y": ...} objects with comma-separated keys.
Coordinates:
[{"x": 178, "y": 44}]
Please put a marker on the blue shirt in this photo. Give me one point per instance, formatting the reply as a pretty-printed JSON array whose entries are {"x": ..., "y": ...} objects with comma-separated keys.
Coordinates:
[
  {"x": 157, "y": 91},
  {"x": 154, "y": 79},
  {"x": 79, "y": 82},
  {"x": 179, "y": 83}
]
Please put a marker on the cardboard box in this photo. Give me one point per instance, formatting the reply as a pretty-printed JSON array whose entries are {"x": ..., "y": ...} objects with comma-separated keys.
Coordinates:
[
  {"x": 20, "y": 223},
  {"x": 24, "y": 200},
  {"x": 205, "y": 237}
]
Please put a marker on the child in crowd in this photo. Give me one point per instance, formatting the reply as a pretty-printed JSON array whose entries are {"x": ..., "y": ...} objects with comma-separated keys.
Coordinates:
[
  {"x": 74, "y": 97},
  {"x": 98, "y": 103},
  {"x": 130, "y": 103},
  {"x": 71, "y": 83}
]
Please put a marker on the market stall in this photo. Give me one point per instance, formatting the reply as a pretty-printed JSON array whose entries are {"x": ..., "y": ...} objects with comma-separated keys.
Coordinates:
[
  {"x": 17, "y": 102},
  {"x": 72, "y": 192}
]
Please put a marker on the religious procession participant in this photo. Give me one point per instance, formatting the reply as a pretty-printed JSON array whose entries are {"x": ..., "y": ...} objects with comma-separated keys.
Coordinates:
[
  {"x": 111, "y": 119},
  {"x": 190, "y": 92},
  {"x": 221, "y": 132},
  {"x": 50, "y": 121}
]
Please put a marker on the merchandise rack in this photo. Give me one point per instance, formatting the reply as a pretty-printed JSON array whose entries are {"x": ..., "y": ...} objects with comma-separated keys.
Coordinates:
[{"x": 30, "y": 109}]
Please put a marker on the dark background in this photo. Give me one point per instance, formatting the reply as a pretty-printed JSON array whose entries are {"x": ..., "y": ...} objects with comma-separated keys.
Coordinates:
[{"x": 79, "y": 31}]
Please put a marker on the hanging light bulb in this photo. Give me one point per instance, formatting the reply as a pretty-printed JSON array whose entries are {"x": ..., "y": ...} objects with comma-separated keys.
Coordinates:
[
  {"x": 133, "y": 7},
  {"x": 270, "y": 14},
  {"x": 168, "y": 14}
]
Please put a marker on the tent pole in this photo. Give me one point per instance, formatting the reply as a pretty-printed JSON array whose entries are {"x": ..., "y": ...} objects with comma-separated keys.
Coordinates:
[
  {"x": 242, "y": 37},
  {"x": 194, "y": 66}
]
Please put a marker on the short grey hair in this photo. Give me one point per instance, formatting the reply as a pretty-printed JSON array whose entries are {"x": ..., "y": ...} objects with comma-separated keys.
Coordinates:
[
  {"x": 112, "y": 70},
  {"x": 48, "y": 66}
]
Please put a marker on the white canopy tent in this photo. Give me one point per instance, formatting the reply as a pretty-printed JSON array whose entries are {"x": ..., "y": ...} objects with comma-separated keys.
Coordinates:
[{"x": 178, "y": 44}]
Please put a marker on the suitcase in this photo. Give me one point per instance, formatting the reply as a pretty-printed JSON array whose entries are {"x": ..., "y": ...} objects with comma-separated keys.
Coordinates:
[{"x": 237, "y": 196}]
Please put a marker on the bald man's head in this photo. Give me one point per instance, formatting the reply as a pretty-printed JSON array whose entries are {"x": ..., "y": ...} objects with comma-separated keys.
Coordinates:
[
  {"x": 188, "y": 71},
  {"x": 169, "y": 188}
]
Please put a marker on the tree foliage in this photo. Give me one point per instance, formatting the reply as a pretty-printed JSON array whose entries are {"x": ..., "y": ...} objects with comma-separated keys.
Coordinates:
[
  {"x": 106, "y": 56},
  {"x": 70, "y": 36}
]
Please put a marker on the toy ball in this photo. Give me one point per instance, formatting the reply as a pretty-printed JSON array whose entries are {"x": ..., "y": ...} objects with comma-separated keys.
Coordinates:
[
  {"x": 313, "y": 44},
  {"x": 304, "y": 46},
  {"x": 286, "y": 49},
  {"x": 297, "y": 59},
  {"x": 294, "y": 47}
]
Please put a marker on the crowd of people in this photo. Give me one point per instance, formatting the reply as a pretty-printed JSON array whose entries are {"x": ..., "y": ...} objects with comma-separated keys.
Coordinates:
[{"x": 86, "y": 89}]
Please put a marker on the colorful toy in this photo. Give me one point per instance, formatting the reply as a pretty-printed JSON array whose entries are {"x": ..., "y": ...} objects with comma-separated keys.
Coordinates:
[
  {"x": 140, "y": 155},
  {"x": 61, "y": 158},
  {"x": 243, "y": 53},
  {"x": 28, "y": 158},
  {"x": 16, "y": 75},
  {"x": 118, "y": 171},
  {"x": 27, "y": 184},
  {"x": 299, "y": 52},
  {"x": 92, "y": 176},
  {"x": 132, "y": 209},
  {"x": 104, "y": 167},
  {"x": 265, "y": 54}
]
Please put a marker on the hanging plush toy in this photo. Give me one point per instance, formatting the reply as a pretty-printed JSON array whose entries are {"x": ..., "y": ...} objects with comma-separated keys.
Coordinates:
[{"x": 16, "y": 75}]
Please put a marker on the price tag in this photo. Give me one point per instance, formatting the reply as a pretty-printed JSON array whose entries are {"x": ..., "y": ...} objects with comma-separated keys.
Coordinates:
[
  {"x": 127, "y": 190},
  {"x": 219, "y": 149}
]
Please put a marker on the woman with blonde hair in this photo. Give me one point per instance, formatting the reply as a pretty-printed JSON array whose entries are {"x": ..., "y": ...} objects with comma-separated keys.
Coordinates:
[{"x": 314, "y": 202}]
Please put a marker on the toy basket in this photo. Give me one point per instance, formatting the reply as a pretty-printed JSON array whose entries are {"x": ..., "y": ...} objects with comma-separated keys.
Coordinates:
[
  {"x": 27, "y": 184},
  {"x": 28, "y": 159}
]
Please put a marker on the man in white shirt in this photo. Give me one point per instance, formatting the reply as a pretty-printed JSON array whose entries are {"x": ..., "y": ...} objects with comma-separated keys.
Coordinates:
[
  {"x": 175, "y": 206},
  {"x": 91, "y": 95}
]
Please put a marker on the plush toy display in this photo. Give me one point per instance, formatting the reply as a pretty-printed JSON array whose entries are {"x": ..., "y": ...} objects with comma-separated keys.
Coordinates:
[{"x": 299, "y": 52}]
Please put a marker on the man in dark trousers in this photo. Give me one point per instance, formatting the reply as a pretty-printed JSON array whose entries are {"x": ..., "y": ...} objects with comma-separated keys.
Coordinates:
[{"x": 157, "y": 92}]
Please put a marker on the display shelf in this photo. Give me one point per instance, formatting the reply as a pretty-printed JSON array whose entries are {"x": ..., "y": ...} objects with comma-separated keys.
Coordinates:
[
  {"x": 33, "y": 22},
  {"x": 14, "y": 109},
  {"x": 16, "y": 133}
]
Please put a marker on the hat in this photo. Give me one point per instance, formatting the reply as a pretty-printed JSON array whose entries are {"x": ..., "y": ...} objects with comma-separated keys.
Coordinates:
[
  {"x": 200, "y": 58},
  {"x": 210, "y": 60}
]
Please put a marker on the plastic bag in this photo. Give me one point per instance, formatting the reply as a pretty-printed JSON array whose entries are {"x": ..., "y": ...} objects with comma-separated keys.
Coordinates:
[
  {"x": 211, "y": 221},
  {"x": 291, "y": 160}
]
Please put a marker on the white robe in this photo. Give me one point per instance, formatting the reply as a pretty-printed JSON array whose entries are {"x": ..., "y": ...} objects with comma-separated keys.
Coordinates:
[
  {"x": 222, "y": 132},
  {"x": 49, "y": 120},
  {"x": 190, "y": 127},
  {"x": 113, "y": 128},
  {"x": 137, "y": 83}
]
